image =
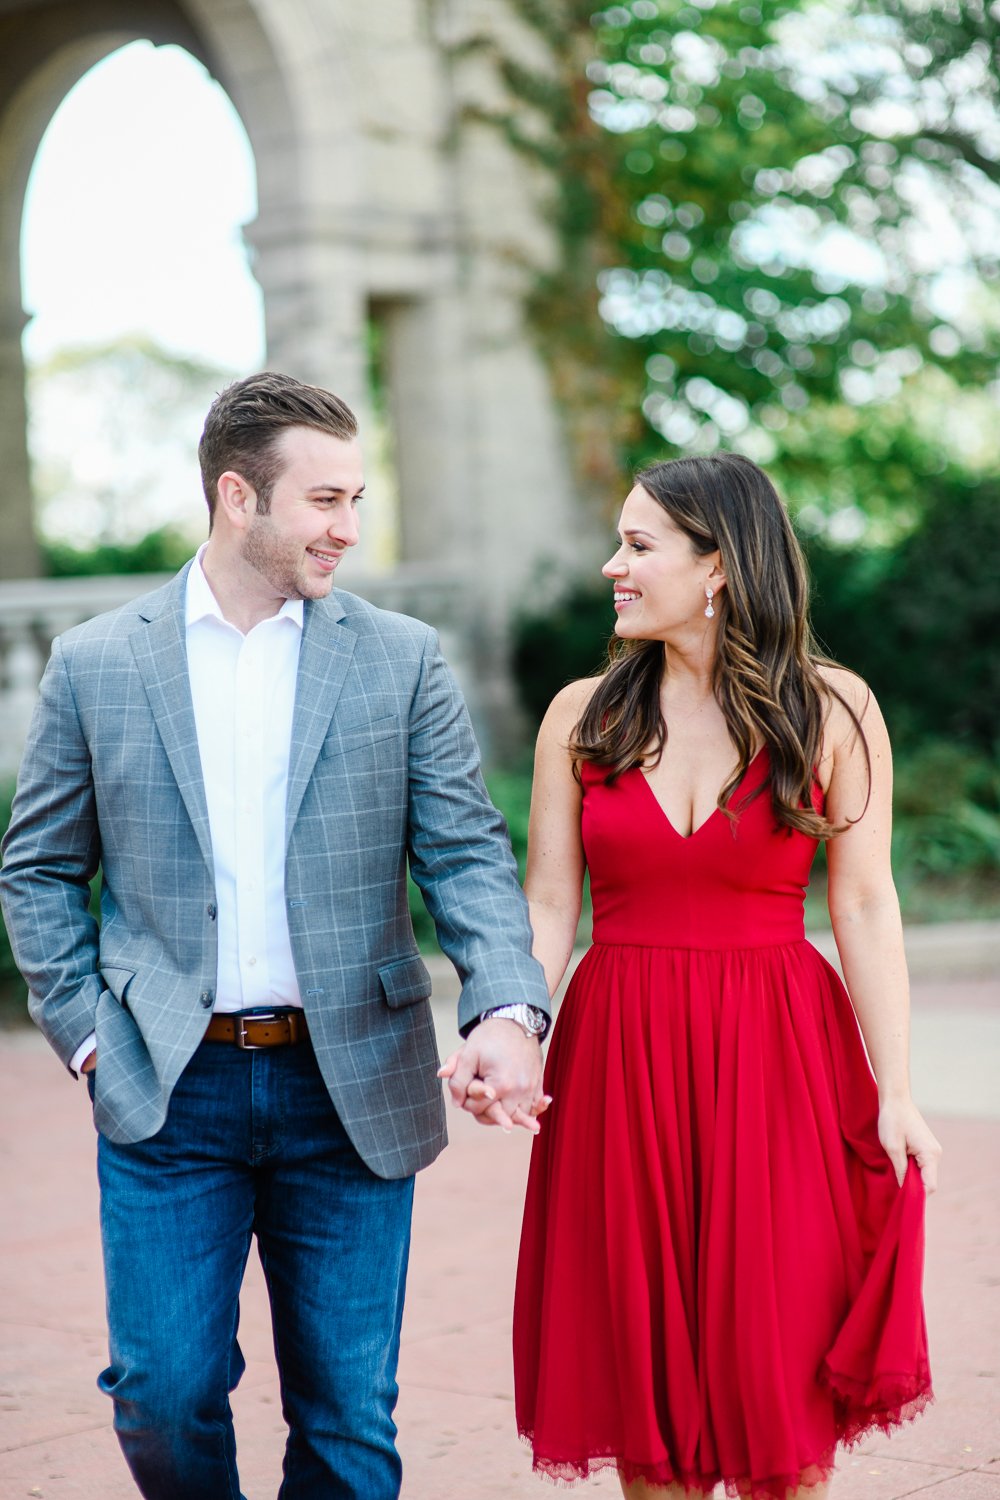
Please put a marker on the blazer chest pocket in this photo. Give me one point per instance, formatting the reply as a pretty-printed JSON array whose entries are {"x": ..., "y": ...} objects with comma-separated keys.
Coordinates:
[
  {"x": 405, "y": 982},
  {"x": 375, "y": 735}
]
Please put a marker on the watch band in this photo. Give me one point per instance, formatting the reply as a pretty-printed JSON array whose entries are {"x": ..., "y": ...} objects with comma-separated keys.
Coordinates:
[{"x": 532, "y": 1021}]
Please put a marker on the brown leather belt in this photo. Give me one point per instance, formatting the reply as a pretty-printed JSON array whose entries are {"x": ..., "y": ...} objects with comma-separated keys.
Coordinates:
[{"x": 276, "y": 1028}]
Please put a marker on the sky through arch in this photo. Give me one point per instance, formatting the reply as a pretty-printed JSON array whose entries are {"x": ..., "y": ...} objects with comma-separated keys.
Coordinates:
[
  {"x": 131, "y": 244},
  {"x": 133, "y": 213}
]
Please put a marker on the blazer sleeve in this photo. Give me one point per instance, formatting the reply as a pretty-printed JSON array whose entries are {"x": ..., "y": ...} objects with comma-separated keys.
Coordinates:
[
  {"x": 51, "y": 852},
  {"x": 460, "y": 854}
]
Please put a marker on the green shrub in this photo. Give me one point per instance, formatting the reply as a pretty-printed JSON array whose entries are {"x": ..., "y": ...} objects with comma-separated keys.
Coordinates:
[
  {"x": 920, "y": 622},
  {"x": 511, "y": 792},
  {"x": 947, "y": 813},
  {"x": 556, "y": 646},
  {"x": 161, "y": 551},
  {"x": 944, "y": 608}
]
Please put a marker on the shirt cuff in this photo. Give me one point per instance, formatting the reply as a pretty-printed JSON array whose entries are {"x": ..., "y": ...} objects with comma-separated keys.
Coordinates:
[{"x": 82, "y": 1053}]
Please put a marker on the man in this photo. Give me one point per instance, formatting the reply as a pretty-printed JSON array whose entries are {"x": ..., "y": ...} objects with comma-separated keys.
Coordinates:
[{"x": 251, "y": 759}]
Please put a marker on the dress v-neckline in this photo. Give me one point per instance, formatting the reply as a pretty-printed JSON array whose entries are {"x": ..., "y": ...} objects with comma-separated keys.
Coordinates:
[{"x": 686, "y": 838}]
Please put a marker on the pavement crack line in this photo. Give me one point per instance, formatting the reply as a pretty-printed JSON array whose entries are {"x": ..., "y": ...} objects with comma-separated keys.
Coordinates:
[{"x": 54, "y": 1437}]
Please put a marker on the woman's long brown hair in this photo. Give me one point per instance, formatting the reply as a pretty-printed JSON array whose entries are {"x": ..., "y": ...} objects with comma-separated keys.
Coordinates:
[{"x": 766, "y": 676}]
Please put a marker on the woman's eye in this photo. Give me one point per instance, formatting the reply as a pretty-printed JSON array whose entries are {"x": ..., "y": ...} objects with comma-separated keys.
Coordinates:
[{"x": 637, "y": 547}]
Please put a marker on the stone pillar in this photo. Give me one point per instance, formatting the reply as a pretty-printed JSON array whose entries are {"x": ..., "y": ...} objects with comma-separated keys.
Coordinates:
[
  {"x": 431, "y": 429},
  {"x": 19, "y": 554},
  {"x": 316, "y": 319},
  {"x": 315, "y": 308}
]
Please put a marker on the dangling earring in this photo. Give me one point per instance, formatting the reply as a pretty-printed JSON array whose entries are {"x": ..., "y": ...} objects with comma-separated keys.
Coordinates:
[{"x": 709, "y": 611}]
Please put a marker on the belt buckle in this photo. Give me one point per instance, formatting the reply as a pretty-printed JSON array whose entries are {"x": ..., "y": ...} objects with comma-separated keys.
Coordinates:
[{"x": 241, "y": 1035}]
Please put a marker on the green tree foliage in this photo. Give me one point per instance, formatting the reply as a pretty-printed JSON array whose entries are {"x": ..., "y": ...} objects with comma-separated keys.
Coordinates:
[
  {"x": 942, "y": 60},
  {"x": 732, "y": 212}
]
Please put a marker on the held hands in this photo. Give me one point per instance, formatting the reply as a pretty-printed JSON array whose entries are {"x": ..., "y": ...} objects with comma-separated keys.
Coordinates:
[
  {"x": 903, "y": 1132},
  {"x": 496, "y": 1075}
]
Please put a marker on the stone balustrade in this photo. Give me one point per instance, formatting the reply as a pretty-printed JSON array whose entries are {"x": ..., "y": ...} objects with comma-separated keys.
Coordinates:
[{"x": 34, "y": 611}]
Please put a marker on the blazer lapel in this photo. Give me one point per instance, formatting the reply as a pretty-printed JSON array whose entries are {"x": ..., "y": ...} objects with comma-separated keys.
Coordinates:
[
  {"x": 324, "y": 656},
  {"x": 159, "y": 645}
]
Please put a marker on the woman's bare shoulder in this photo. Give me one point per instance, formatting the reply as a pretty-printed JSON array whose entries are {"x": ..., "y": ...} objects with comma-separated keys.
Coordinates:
[
  {"x": 849, "y": 693},
  {"x": 852, "y": 706}
]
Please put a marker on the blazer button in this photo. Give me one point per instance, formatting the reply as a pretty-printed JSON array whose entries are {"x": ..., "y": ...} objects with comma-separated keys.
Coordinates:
[
  {"x": 212, "y": 910},
  {"x": 207, "y": 998}
]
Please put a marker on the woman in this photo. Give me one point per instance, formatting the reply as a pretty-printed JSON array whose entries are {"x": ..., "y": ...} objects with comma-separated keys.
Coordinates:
[{"x": 721, "y": 1257}]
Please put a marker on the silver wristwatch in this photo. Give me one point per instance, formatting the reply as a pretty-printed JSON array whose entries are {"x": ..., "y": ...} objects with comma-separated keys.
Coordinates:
[{"x": 532, "y": 1021}]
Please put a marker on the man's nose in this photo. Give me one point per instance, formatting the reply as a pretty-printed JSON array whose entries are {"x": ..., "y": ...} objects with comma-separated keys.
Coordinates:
[{"x": 345, "y": 528}]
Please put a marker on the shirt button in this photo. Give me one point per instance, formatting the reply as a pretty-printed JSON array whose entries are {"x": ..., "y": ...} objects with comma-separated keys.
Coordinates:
[{"x": 250, "y": 962}]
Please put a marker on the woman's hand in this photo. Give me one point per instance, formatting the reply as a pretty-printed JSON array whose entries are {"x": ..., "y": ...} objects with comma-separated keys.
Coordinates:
[
  {"x": 904, "y": 1132},
  {"x": 496, "y": 1075}
]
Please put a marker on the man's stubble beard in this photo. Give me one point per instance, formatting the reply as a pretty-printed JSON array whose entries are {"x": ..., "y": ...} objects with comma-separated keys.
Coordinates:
[{"x": 276, "y": 559}]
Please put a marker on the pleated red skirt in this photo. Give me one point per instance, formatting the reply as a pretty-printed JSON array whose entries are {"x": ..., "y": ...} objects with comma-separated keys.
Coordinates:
[{"x": 719, "y": 1277}]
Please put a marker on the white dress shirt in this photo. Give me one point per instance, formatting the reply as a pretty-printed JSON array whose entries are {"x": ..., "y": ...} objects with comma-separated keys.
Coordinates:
[{"x": 243, "y": 691}]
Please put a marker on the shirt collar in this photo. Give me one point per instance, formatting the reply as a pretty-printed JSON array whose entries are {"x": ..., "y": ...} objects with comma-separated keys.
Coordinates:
[{"x": 201, "y": 604}]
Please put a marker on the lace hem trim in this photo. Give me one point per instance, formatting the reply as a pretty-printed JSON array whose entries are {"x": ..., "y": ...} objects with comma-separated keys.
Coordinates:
[
  {"x": 884, "y": 1409},
  {"x": 884, "y": 1405}
]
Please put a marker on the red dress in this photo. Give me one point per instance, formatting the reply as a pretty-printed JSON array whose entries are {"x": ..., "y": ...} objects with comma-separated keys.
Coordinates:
[{"x": 719, "y": 1277}]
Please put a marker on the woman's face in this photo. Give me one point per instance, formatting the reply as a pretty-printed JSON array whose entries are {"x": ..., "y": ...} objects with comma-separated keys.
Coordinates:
[{"x": 659, "y": 579}]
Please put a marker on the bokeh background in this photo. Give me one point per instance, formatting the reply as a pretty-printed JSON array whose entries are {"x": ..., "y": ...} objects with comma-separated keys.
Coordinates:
[{"x": 574, "y": 240}]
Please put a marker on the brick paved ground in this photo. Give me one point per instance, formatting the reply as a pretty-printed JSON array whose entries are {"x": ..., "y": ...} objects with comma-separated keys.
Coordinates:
[{"x": 455, "y": 1413}]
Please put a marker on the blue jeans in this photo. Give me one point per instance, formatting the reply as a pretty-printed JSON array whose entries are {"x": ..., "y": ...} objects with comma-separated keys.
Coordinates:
[{"x": 253, "y": 1146}]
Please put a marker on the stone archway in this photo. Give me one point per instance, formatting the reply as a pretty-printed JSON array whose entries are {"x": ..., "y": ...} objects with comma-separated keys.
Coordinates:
[
  {"x": 383, "y": 193},
  {"x": 45, "y": 50}
]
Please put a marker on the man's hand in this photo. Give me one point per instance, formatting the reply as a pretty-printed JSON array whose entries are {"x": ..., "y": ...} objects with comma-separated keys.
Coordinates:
[
  {"x": 497, "y": 1076},
  {"x": 89, "y": 1063}
]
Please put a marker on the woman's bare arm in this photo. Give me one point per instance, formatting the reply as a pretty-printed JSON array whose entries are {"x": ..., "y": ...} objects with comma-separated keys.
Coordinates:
[
  {"x": 556, "y": 863},
  {"x": 864, "y": 911}
]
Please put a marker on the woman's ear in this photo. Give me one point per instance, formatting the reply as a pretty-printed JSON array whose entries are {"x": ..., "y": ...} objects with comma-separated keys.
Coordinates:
[{"x": 716, "y": 578}]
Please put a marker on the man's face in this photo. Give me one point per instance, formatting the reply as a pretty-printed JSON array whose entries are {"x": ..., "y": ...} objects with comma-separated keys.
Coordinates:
[{"x": 313, "y": 517}]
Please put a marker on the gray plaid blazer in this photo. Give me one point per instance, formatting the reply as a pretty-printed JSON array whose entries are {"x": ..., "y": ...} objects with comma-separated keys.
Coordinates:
[{"x": 384, "y": 768}]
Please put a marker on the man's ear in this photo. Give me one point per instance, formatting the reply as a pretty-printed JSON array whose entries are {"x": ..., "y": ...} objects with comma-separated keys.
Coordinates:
[{"x": 237, "y": 499}]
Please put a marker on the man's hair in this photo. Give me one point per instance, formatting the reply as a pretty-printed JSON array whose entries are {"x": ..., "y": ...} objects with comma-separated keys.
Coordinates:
[{"x": 245, "y": 423}]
